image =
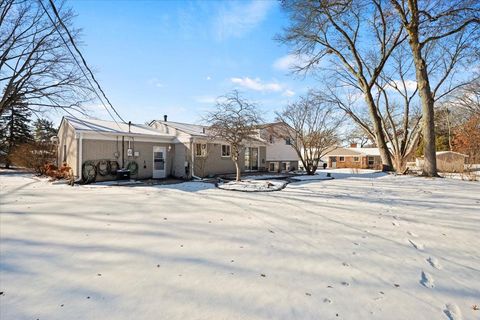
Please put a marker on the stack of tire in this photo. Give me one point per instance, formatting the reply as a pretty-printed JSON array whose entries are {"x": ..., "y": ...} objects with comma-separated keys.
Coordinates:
[{"x": 104, "y": 168}]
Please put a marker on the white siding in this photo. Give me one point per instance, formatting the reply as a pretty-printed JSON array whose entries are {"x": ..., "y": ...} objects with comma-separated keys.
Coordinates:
[{"x": 280, "y": 151}]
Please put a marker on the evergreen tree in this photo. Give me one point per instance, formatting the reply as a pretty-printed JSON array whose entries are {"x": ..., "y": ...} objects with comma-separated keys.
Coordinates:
[
  {"x": 44, "y": 130},
  {"x": 14, "y": 130}
]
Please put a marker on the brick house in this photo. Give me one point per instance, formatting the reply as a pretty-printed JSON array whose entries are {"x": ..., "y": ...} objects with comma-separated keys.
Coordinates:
[{"x": 354, "y": 157}]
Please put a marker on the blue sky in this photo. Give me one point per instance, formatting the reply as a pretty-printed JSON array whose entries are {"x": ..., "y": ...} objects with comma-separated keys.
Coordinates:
[{"x": 175, "y": 57}]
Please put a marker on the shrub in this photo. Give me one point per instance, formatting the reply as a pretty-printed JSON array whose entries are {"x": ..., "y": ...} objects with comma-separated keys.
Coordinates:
[{"x": 34, "y": 156}]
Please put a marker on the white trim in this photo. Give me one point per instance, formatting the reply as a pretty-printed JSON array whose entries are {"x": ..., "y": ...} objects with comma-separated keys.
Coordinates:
[{"x": 203, "y": 150}]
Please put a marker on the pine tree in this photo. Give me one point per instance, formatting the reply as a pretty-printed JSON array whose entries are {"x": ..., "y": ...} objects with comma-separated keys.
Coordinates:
[
  {"x": 44, "y": 130},
  {"x": 14, "y": 130}
]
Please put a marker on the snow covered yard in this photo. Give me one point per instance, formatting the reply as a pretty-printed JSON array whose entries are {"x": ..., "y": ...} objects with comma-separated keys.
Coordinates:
[{"x": 362, "y": 247}]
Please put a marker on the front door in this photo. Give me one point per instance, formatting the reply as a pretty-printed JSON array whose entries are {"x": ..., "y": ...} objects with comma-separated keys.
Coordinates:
[
  {"x": 159, "y": 163},
  {"x": 251, "y": 159},
  {"x": 334, "y": 162}
]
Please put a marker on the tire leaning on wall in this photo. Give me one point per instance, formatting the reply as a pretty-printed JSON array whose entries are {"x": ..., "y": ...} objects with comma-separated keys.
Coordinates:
[
  {"x": 103, "y": 168},
  {"x": 114, "y": 166},
  {"x": 89, "y": 171},
  {"x": 133, "y": 167}
]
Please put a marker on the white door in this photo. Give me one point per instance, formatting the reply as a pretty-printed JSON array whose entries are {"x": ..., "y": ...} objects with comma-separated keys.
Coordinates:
[
  {"x": 159, "y": 163},
  {"x": 334, "y": 162}
]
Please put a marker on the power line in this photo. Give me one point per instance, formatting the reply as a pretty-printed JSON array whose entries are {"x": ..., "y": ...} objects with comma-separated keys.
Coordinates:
[{"x": 83, "y": 60}]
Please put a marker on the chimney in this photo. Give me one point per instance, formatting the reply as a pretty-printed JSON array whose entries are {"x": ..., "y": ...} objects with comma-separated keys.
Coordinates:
[
  {"x": 129, "y": 124},
  {"x": 165, "y": 117},
  {"x": 353, "y": 145}
]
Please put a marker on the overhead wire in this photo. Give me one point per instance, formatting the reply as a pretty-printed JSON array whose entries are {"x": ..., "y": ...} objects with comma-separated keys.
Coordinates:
[{"x": 83, "y": 60}]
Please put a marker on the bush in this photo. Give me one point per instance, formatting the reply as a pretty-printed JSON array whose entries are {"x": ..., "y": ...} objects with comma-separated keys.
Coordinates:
[{"x": 34, "y": 156}]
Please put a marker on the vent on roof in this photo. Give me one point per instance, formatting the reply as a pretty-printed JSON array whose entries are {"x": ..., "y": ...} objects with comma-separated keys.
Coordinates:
[{"x": 165, "y": 117}]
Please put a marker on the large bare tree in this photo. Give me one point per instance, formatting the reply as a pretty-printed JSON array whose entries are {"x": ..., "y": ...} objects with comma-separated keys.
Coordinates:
[
  {"x": 311, "y": 125},
  {"x": 233, "y": 120},
  {"x": 35, "y": 64},
  {"x": 428, "y": 23},
  {"x": 330, "y": 35}
]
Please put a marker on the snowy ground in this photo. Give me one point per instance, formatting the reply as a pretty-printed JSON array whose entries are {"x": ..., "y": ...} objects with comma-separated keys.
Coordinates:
[
  {"x": 370, "y": 246},
  {"x": 253, "y": 185}
]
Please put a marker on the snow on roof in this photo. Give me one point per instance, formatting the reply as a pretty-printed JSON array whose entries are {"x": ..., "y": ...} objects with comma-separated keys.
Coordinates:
[
  {"x": 193, "y": 129},
  {"x": 367, "y": 151},
  {"x": 342, "y": 151},
  {"x": 95, "y": 125}
]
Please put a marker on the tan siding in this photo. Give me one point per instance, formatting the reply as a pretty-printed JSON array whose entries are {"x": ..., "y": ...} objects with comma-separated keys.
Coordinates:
[
  {"x": 105, "y": 149},
  {"x": 66, "y": 137},
  {"x": 214, "y": 163},
  {"x": 180, "y": 157}
]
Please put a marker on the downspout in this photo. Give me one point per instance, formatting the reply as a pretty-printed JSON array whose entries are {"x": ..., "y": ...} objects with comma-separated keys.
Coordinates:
[
  {"x": 80, "y": 154},
  {"x": 193, "y": 160},
  {"x": 123, "y": 152}
]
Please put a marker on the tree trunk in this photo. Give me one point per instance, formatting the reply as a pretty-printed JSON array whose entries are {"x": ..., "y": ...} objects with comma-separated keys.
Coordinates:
[
  {"x": 427, "y": 101},
  {"x": 379, "y": 133},
  {"x": 237, "y": 167},
  {"x": 399, "y": 163}
]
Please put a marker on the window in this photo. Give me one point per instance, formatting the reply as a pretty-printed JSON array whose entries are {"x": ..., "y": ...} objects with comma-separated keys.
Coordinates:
[
  {"x": 200, "y": 149},
  {"x": 342, "y": 159},
  {"x": 356, "y": 159},
  {"x": 371, "y": 161},
  {"x": 288, "y": 141},
  {"x": 225, "y": 150},
  {"x": 284, "y": 166},
  {"x": 271, "y": 166}
]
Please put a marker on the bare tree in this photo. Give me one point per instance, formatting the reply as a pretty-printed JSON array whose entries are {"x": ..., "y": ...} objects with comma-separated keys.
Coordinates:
[
  {"x": 338, "y": 29},
  {"x": 35, "y": 64},
  {"x": 311, "y": 126},
  {"x": 396, "y": 97},
  {"x": 428, "y": 23},
  {"x": 467, "y": 99},
  {"x": 234, "y": 120},
  {"x": 358, "y": 137}
]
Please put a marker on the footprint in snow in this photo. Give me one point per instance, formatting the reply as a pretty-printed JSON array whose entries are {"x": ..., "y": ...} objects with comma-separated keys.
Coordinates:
[
  {"x": 326, "y": 300},
  {"x": 416, "y": 245},
  {"x": 412, "y": 234},
  {"x": 453, "y": 311},
  {"x": 427, "y": 280},
  {"x": 434, "y": 262}
]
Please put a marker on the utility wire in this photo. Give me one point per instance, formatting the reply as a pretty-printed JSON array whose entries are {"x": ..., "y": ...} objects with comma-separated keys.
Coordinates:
[
  {"x": 83, "y": 60},
  {"x": 78, "y": 63}
]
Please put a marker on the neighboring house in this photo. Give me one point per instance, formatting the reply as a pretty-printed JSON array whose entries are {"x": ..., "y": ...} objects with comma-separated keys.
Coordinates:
[
  {"x": 447, "y": 161},
  {"x": 281, "y": 156},
  {"x": 354, "y": 157},
  {"x": 160, "y": 150}
]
